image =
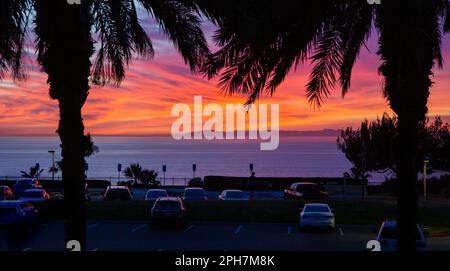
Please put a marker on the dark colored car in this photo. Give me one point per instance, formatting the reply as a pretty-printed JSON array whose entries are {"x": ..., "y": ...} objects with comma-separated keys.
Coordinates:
[
  {"x": 117, "y": 193},
  {"x": 388, "y": 235},
  {"x": 169, "y": 210},
  {"x": 23, "y": 185},
  {"x": 305, "y": 191},
  {"x": 17, "y": 212},
  {"x": 6, "y": 193},
  {"x": 196, "y": 182},
  {"x": 194, "y": 194}
]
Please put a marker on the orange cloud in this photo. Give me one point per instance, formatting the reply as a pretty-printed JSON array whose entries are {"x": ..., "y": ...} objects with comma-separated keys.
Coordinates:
[{"x": 142, "y": 104}]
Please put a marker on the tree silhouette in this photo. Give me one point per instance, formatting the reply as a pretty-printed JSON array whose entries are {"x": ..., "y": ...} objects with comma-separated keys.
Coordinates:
[
  {"x": 32, "y": 173},
  {"x": 262, "y": 41},
  {"x": 65, "y": 44},
  {"x": 133, "y": 171}
]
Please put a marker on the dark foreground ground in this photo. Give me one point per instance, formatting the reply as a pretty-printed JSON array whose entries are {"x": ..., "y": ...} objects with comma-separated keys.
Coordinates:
[{"x": 204, "y": 236}]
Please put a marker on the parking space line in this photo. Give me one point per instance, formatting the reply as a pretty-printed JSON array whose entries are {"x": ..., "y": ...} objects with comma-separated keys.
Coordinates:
[
  {"x": 160, "y": 249},
  {"x": 27, "y": 249},
  {"x": 92, "y": 226},
  {"x": 189, "y": 228},
  {"x": 238, "y": 229},
  {"x": 289, "y": 229},
  {"x": 95, "y": 249},
  {"x": 138, "y": 228},
  {"x": 341, "y": 232}
]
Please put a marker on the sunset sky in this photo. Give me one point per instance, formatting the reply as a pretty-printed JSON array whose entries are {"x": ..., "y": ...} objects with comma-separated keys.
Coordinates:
[{"x": 142, "y": 104}]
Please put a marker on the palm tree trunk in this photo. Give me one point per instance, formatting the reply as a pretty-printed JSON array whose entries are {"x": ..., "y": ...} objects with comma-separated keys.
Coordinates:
[
  {"x": 408, "y": 41},
  {"x": 407, "y": 175},
  {"x": 65, "y": 47},
  {"x": 71, "y": 132}
]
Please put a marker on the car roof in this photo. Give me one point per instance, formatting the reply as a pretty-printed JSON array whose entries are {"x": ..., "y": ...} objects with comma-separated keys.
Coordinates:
[
  {"x": 154, "y": 190},
  {"x": 390, "y": 223},
  {"x": 304, "y": 183},
  {"x": 193, "y": 188},
  {"x": 317, "y": 204},
  {"x": 35, "y": 190},
  {"x": 117, "y": 187},
  {"x": 169, "y": 199},
  {"x": 233, "y": 190},
  {"x": 11, "y": 203}
]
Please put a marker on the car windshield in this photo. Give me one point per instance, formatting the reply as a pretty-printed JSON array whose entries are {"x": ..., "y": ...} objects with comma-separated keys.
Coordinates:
[
  {"x": 235, "y": 195},
  {"x": 308, "y": 188},
  {"x": 168, "y": 205},
  {"x": 194, "y": 193},
  {"x": 24, "y": 185},
  {"x": 117, "y": 193},
  {"x": 32, "y": 194},
  {"x": 24, "y": 182},
  {"x": 390, "y": 232},
  {"x": 316, "y": 209},
  {"x": 156, "y": 194}
]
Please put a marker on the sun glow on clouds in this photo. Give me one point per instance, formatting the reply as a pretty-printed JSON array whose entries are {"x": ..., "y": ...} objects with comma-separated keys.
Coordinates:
[{"x": 142, "y": 103}]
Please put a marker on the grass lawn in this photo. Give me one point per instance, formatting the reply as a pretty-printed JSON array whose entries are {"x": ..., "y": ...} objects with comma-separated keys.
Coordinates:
[{"x": 270, "y": 211}]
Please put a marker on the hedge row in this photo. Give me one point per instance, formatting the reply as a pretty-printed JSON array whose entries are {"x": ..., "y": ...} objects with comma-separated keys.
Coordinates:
[{"x": 218, "y": 183}]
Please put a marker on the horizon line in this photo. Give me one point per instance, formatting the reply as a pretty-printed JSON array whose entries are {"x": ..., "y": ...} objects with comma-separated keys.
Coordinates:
[{"x": 291, "y": 132}]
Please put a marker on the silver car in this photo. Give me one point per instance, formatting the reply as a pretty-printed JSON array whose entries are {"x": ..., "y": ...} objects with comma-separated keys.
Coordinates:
[{"x": 317, "y": 215}]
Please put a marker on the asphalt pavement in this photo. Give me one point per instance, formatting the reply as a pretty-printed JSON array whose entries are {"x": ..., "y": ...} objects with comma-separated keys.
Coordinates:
[{"x": 138, "y": 236}]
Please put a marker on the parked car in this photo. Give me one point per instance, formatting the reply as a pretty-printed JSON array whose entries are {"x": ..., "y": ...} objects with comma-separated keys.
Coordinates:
[
  {"x": 154, "y": 194},
  {"x": 388, "y": 234},
  {"x": 24, "y": 184},
  {"x": 6, "y": 193},
  {"x": 35, "y": 196},
  {"x": 196, "y": 182},
  {"x": 168, "y": 209},
  {"x": 16, "y": 212},
  {"x": 233, "y": 195},
  {"x": 317, "y": 215},
  {"x": 191, "y": 194},
  {"x": 305, "y": 191},
  {"x": 117, "y": 193}
]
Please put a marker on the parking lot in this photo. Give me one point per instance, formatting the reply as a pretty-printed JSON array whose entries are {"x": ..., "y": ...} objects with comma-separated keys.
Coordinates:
[{"x": 137, "y": 236}]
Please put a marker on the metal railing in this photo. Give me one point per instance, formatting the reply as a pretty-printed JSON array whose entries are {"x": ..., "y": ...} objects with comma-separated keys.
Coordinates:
[{"x": 164, "y": 181}]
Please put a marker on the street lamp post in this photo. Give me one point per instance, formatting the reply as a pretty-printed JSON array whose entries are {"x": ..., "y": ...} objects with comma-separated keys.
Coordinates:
[{"x": 52, "y": 152}]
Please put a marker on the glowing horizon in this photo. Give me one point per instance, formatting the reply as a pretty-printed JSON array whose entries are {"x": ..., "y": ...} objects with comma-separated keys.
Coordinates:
[{"x": 142, "y": 104}]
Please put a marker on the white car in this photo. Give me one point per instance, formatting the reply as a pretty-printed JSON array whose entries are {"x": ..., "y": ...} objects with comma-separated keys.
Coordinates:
[
  {"x": 117, "y": 193},
  {"x": 194, "y": 194},
  {"x": 317, "y": 215},
  {"x": 387, "y": 236},
  {"x": 154, "y": 194},
  {"x": 233, "y": 195},
  {"x": 35, "y": 196}
]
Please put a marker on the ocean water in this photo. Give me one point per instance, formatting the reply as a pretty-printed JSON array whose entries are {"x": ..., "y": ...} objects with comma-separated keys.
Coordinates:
[{"x": 300, "y": 156}]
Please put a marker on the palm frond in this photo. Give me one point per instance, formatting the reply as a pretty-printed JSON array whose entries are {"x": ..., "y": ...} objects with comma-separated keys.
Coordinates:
[
  {"x": 120, "y": 35},
  {"x": 14, "y": 15},
  {"x": 181, "y": 23}
]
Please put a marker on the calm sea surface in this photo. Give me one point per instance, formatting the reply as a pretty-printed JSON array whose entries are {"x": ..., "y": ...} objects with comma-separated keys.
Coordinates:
[{"x": 300, "y": 156}]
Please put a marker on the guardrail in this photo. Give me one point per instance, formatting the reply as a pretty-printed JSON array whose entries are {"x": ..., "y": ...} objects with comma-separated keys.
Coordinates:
[{"x": 165, "y": 181}]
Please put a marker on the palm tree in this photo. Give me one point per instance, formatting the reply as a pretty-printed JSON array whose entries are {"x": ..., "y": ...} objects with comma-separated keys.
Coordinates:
[
  {"x": 32, "y": 173},
  {"x": 262, "y": 41},
  {"x": 65, "y": 44},
  {"x": 134, "y": 171}
]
